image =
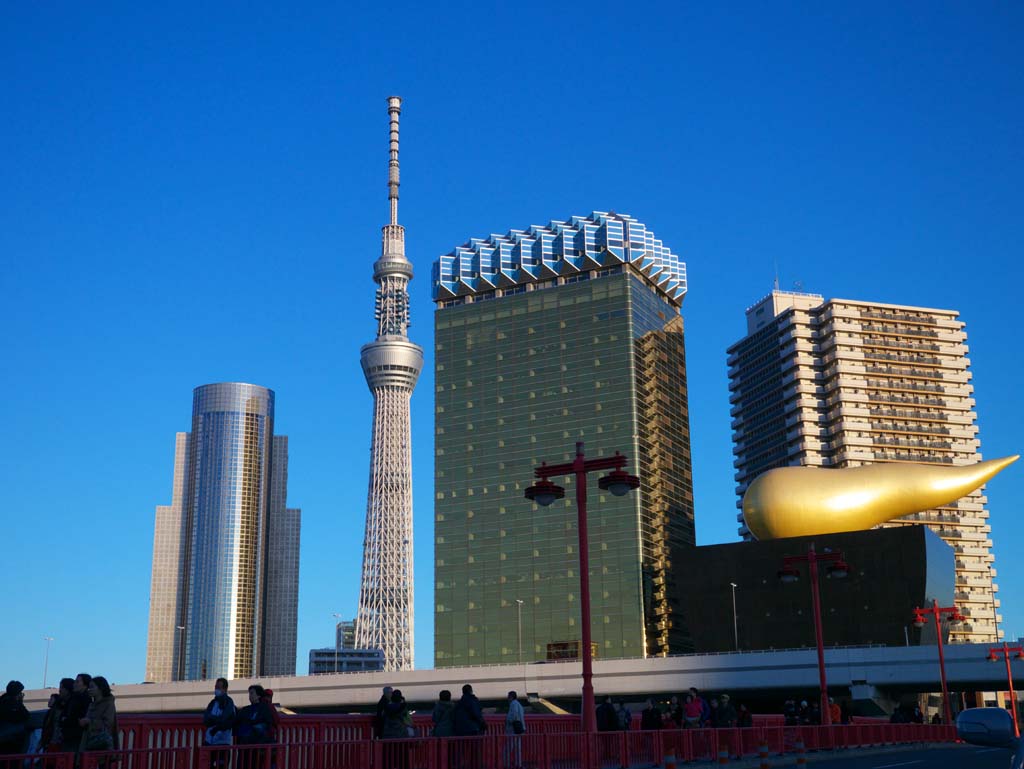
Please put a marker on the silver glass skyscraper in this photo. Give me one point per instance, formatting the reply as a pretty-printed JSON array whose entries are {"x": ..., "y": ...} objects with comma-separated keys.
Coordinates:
[
  {"x": 224, "y": 595},
  {"x": 391, "y": 364}
]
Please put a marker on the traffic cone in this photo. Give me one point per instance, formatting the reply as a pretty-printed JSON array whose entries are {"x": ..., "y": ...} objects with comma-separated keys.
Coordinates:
[
  {"x": 801, "y": 753},
  {"x": 762, "y": 753},
  {"x": 723, "y": 756},
  {"x": 670, "y": 761}
]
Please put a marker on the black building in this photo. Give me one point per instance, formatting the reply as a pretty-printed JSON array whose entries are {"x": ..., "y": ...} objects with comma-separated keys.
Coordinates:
[{"x": 891, "y": 572}]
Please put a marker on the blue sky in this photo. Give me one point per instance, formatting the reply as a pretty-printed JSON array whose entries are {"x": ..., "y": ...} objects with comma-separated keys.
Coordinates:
[{"x": 194, "y": 194}]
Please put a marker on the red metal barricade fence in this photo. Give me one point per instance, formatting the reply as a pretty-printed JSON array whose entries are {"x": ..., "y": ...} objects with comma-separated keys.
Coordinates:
[
  {"x": 44, "y": 760},
  {"x": 336, "y": 743},
  {"x": 148, "y": 758}
]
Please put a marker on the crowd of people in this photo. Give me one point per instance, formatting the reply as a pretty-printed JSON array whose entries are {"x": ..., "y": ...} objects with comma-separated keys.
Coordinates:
[
  {"x": 80, "y": 716},
  {"x": 806, "y": 714},
  {"x": 693, "y": 711},
  {"x": 464, "y": 718}
]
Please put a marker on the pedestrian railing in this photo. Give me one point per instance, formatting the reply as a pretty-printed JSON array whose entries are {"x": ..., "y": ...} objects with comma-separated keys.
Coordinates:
[{"x": 534, "y": 750}]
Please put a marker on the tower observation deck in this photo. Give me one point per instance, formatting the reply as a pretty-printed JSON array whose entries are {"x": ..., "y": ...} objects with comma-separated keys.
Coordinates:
[{"x": 391, "y": 365}]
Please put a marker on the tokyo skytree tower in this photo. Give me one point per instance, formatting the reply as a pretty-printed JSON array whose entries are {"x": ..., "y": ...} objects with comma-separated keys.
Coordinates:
[{"x": 391, "y": 364}]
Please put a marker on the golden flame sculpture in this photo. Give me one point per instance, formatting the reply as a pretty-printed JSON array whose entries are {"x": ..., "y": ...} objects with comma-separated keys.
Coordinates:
[{"x": 798, "y": 501}]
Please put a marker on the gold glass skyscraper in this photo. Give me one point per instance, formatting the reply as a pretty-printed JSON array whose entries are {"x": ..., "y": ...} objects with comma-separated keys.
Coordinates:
[{"x": 544, "y": 337}]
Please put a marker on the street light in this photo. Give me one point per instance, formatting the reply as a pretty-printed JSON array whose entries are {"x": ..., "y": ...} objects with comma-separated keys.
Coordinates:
[
  {"x": 337, "y": 617},
  {"x": 180, "y": 630},
  {"x": 735, "y": 627},
  {"x": 544, "y": 492},
  {"x": 46, "y": 659},
  {"x": 1006, "y": 651},
  {"x": 519, "y": 627},
  {"x": 955, "y": 618},
  {"x": 788, "y": 574}
]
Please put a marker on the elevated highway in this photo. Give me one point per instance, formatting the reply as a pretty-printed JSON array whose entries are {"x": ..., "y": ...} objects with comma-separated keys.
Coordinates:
[{"x": 856, "y": 671}]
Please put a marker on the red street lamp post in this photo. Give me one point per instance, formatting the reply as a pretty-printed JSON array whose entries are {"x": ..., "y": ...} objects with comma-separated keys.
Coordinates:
[
  {"x": 919, "y": 621},
  {"x": 544, "y": 492},
  {"x": 1006, "y": 651},
  {"x": 838, "y": 568}
]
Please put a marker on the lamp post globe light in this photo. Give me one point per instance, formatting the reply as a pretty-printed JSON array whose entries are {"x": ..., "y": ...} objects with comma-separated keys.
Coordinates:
[
  {"x": 789, "y": 574},
  {"x": 544, "y": 493},
  {"x": 955, "y": 618},
  {"x": 46, "y": 659},
  {"x": 1005, "y": 651}
]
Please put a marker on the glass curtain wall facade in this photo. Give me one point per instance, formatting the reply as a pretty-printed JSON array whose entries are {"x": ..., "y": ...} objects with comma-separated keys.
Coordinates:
[
  {"x": 165, "y": 593},
  {"x": 226, "y": 554},
  {"x": 596, "y": 356},
  {"x": 229, "y": 501},
  {"x": 281, "y": 589}
]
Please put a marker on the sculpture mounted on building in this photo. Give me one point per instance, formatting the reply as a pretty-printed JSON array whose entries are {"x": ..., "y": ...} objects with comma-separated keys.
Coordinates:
[{"x": 802, "y": 501}]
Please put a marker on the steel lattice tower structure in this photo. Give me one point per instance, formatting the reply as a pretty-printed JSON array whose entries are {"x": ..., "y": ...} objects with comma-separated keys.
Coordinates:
[{"x": 391, "y": 364}]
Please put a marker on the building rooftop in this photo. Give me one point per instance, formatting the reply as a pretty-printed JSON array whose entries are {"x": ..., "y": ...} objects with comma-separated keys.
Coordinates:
[{"x": 559, "y": 249}]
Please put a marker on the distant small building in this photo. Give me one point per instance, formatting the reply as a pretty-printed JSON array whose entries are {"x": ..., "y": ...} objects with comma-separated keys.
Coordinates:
[
  {"x": 345, "y": 634},
  {"x": 340, "y": 660}
]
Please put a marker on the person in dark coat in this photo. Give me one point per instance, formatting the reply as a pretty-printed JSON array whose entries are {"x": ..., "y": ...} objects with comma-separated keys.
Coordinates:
[
  {"x": 219, "y": 722},
  {"x": 70, "y": 719},
  {"x": 726, "y": 713},
  {"x": 790, "y": 714},
  {"x": 744, "y": 719},
  {"x": 397, "y": 725},
  {"x": 219, "y": 716},
  {"x": 395, "y": 713},
  {"x": 382, "y": 703},
  {"x": 49, "y": 738},
  {"x": 13, "y": 719},
  {"x": 607, "y": 719},
  {"x": 254, "y": 723},
  {"x": 675, "y": 711},
  {"x": 469, "y": 722},
  {"x": 650, "y": 717},
  {"x": 444, "y": 715},
  {"x": 469, "y": 716}
]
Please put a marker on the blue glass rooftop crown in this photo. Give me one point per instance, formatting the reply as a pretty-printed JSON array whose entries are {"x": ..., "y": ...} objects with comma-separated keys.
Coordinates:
[{"x": 559, "y": 249}]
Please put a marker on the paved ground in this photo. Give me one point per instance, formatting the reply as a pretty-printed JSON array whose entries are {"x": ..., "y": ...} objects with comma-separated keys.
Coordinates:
[
  {"x": 952, "y": 757},
  {"x": 905, "y": 757}
]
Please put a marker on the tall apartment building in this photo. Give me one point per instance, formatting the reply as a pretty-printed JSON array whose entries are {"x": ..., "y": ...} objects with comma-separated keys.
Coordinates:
[
  {"x": 224, "y": 590},
  {"x": 841, "y": 383},
  {"x": 544, "y": 337}
]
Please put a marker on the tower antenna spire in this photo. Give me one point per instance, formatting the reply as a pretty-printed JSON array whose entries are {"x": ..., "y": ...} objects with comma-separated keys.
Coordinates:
[
  {"x": 394, "y": 110},
  {"x": 391, "y": 364}
]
